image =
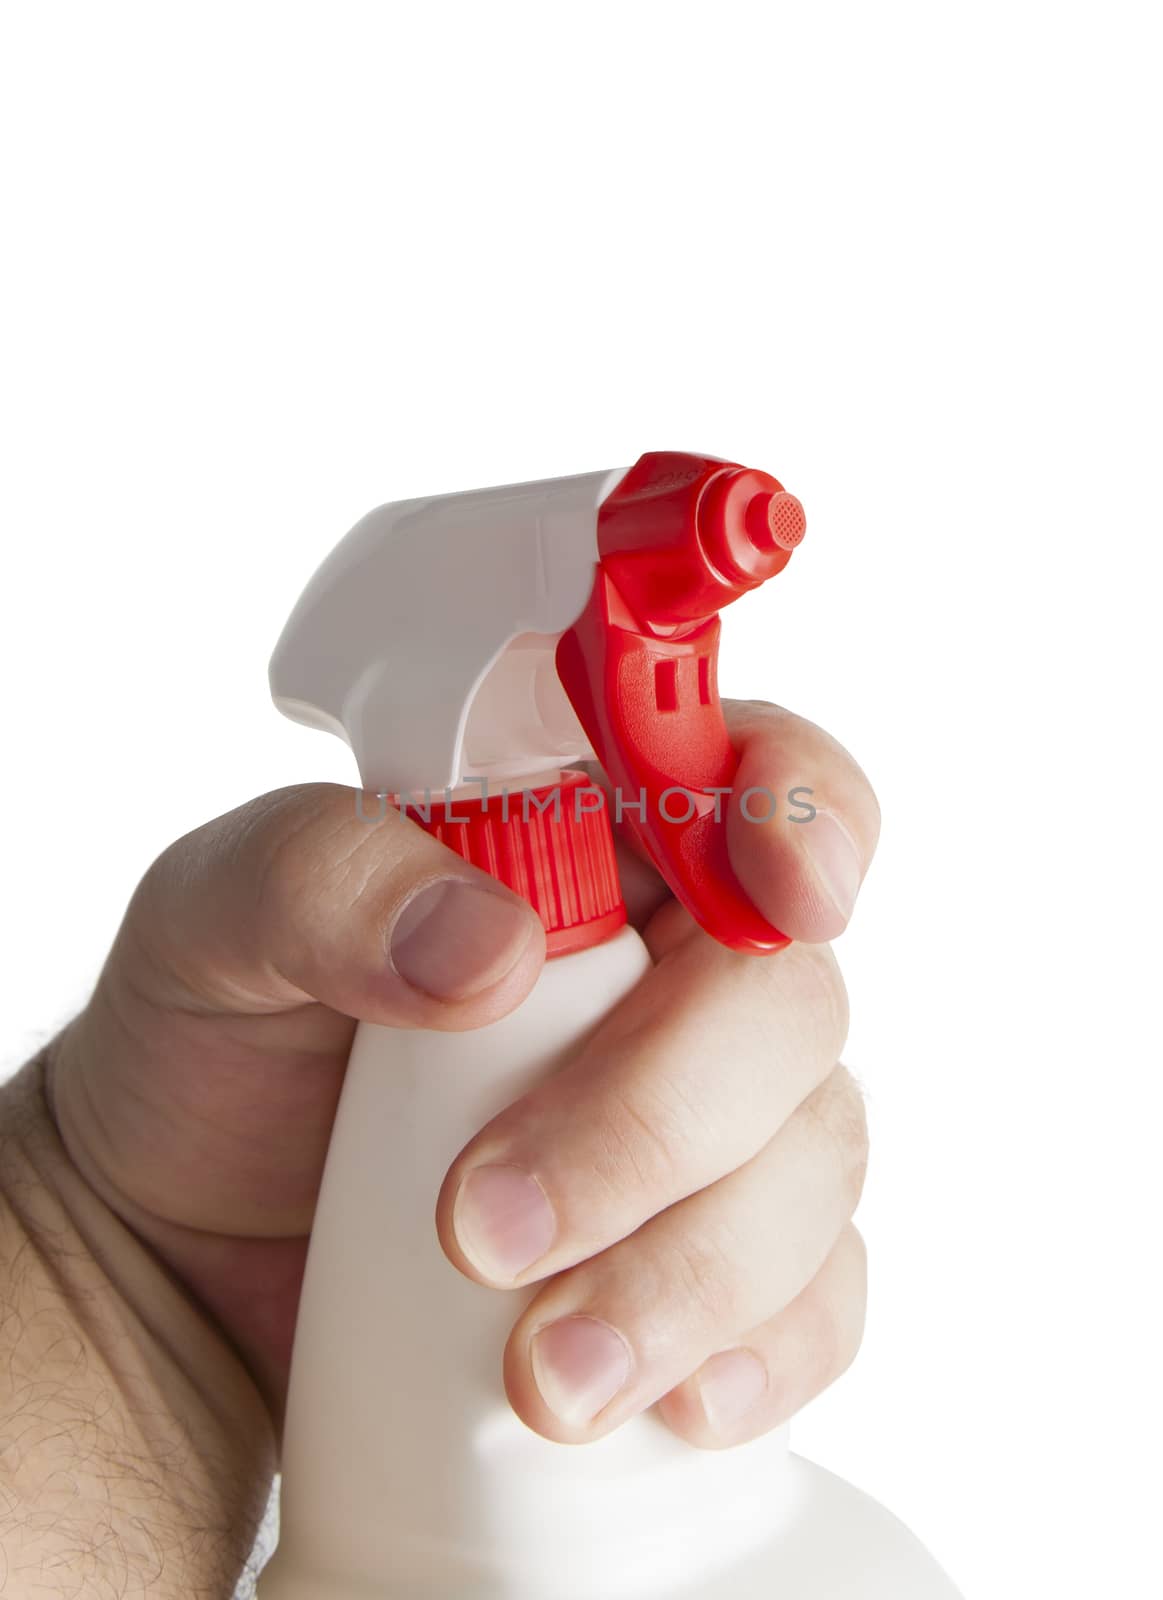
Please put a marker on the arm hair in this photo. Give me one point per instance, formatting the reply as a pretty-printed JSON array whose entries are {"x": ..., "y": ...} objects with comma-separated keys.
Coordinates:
[{"x": 136, "y": 1454}]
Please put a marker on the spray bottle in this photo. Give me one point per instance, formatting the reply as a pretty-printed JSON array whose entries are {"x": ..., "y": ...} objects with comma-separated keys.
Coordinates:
[{"x": 469, "y": 648}]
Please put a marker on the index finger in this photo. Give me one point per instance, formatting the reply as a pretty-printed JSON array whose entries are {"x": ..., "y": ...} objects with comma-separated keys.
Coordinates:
[
  {"x": 802, "y": 825},
  {"x": 802, "y": 821}
]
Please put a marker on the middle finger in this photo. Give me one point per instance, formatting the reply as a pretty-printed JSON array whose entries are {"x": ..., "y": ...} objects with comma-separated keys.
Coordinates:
[{"x": 686, "y": 1080}]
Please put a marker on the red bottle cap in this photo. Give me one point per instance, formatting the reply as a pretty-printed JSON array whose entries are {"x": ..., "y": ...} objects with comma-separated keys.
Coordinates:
[{"x": 551, "y": 845}]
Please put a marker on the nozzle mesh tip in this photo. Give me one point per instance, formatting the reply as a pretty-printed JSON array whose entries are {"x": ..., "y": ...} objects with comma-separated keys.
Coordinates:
[{"x": 787, "y": 521}]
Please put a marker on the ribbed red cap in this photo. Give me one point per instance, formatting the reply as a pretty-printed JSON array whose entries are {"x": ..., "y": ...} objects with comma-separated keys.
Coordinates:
[{"x": 553, "y": 846}]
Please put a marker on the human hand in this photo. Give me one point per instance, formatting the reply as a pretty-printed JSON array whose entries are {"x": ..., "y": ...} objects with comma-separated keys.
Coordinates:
[{"x": 702, "y": 1155}]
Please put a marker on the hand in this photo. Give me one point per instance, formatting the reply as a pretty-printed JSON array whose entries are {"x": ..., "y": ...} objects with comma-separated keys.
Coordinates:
[{"x": 701, "y": 1159}]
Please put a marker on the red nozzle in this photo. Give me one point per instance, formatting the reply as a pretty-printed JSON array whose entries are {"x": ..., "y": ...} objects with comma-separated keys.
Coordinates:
[
  {"x": 681, "y": 537},
  {"x": 748, "y": 526}
]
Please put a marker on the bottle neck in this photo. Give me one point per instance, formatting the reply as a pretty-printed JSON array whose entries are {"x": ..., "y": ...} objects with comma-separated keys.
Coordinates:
[{"x": 551, "y": 844}]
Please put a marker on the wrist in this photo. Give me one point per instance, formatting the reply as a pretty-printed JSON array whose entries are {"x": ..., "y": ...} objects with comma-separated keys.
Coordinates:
[{"x": 139, "y": 1452}]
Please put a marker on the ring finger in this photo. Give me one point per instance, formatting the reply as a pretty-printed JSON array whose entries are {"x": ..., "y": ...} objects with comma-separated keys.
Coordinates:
[
  {"x": 770, "y": 1372},
  {"x": 611, "y": 1336}
]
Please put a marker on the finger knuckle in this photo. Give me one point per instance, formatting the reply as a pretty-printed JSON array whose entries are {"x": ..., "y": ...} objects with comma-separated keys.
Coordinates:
[
  {"x": 648, "y": 1136},
  {"x": 853, "y": 1255},
  {"x": 832, "y": 1334},
  {"x": 838, "y": 1109},
  {"x": 705, "y": 1273},
  {"x": 832, "y": 1311},
  {"x": 309, "y": 850},
  {"x": 851, "y": 1298},
  {"x": 821, "y": 989},
  {"x": 822, "y": 1340}
]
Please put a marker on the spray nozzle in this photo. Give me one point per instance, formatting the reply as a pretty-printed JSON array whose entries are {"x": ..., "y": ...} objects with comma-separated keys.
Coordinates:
[{"x": 506, "y": 633}]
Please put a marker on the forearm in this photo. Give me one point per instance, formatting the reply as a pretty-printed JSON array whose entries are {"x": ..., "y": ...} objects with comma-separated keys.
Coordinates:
[{"x": 135, "y": 1451}]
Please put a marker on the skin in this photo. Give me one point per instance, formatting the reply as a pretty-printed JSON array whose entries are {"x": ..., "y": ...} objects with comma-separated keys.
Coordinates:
[{"x": 702, "y": 1156}]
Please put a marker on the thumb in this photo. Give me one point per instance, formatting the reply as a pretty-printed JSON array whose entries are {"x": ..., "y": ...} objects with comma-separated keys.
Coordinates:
[{"x": 307, "y": 894}]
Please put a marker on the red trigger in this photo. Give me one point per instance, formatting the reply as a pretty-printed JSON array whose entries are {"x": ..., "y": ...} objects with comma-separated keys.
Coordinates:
[{"x": 679, "y": 538}]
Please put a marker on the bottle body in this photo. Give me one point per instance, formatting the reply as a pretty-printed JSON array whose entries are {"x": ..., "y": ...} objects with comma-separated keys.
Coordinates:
[{"x": 406, "y": 1472}]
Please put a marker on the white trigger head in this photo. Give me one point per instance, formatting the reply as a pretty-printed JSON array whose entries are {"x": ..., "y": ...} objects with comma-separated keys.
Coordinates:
[{"x": 426, "y": 638}]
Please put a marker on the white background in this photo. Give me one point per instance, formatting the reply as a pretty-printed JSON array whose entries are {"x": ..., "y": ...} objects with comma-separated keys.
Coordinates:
[{"x": 266, "y": 266}]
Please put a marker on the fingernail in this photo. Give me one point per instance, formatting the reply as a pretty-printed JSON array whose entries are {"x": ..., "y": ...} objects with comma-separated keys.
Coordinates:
[
  {"x": 453, "y": 939},
  {"x": 580, "y": 1364},
  {"x": 834, "y": 859},
  {"x": 503, "y": 1221},
  {"x": 729, "y": 1385}
]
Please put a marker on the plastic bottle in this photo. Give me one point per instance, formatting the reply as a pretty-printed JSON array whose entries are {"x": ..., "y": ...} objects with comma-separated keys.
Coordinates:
[{"x": 469, "y": 647}]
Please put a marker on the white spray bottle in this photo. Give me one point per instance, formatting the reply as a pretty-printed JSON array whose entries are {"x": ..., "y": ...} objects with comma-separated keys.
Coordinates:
[{"x": 488, "y": 639}]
